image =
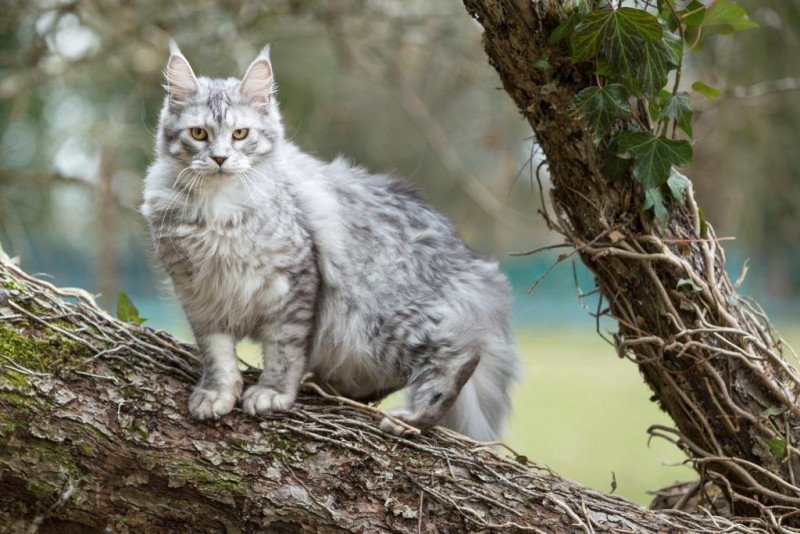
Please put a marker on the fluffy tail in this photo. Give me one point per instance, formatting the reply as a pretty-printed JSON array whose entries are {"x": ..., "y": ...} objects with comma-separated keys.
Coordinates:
[{"x": 481, "y": 409}]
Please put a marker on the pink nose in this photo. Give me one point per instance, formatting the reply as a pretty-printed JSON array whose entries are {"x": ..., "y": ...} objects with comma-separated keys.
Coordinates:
[{"x": 219, "y": 159}]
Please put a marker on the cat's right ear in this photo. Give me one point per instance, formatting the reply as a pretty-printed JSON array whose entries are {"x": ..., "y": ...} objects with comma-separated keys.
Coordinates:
[{"x": 181, "y": 81}]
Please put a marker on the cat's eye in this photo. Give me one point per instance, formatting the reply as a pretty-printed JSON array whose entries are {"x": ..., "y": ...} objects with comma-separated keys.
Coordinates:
[
  {"x": 199, "y": 133},
  {"x": 241, "y": 133}
]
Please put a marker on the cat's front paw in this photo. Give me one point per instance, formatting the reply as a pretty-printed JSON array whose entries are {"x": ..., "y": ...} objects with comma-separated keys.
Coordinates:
[
  {"x": 211, "y": 403},
  {"x": 259, "y": 400}
]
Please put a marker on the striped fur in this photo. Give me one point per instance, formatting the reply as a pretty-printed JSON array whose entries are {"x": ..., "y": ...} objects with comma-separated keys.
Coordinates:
[{"x": 350, "y": 275}]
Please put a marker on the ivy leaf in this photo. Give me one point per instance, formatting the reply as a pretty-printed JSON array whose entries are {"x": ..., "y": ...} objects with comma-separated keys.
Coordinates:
[
  {"x": 677, "y": 184},
  {"x": 696, "y": 13},
  {"x": 654, "y": 199},
  {"x": 724, "y": 17},
  {"x": 653, "y": 157},
  {"x": 618, "y": 31},
  {"x": 126, "y": 311},
  {"x": 601, "y": 105},
  {"x": 706, "y": 90},
  {"x": 674, "y": 48},
  {"x": 565, "y": 29},
  {"x": 583, "y": 7},
  {"x": 656, "y": 102},
  {"x": 650, "y": 74},
  {"x": 678, "y": 107},
  {"x": 542, "y": 62},
  {"x": 778, "y": 447}
]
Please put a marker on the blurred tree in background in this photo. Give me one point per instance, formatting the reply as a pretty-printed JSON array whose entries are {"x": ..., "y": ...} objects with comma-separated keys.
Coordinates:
[
  {"x": 747, "y": 169},
  {"x": 397, "y": 86}
]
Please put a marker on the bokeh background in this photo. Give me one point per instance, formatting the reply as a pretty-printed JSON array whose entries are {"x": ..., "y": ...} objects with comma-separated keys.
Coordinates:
[{"x": 400, "y": 86}]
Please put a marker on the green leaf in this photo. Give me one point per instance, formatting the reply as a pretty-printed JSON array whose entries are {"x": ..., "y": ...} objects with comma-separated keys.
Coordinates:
[
  {"x": 696, "y": 12},
  {"x": 654, "y": 199},
  {"x": 601, "y": 105},
  {"x": 653, "y": 156},
  {"x": 674, "y": 48},
  {"x": 679, "y": 108},
  {"x": 618, "y": 31},
  {"x": 677, "y": 184},
  {"x": 656, "y": 102},
  {"x": 650, "y": 74},
  {"x": 706, "y": 90},
  {"x": 583, "y": 7},
  {"x": 778, "y": 447},
  {"x": 126, "y": 311},
  {"x": 564, "y": 30},
  {"x": 724, "y": 17},
  {"x": 542, "y": 62},
  {"x": 688, "y": 283}
]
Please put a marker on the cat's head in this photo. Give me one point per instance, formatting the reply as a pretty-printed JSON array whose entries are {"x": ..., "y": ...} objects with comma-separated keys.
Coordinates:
[{"x": 218, "y": 127}]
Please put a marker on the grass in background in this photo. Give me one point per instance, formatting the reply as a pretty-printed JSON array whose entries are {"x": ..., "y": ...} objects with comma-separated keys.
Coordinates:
[{"x": 584, "y": 412}]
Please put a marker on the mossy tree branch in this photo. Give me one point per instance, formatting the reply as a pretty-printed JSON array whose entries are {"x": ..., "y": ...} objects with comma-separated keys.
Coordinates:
[{"x": 94, "y": 436}]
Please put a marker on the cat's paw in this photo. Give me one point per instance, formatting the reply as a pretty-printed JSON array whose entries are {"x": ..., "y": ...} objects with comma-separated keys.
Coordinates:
[
  {"x": 258, "y": 400},
  {"x": 211, "y": 403},
  {"x": 391, "y": 426}
]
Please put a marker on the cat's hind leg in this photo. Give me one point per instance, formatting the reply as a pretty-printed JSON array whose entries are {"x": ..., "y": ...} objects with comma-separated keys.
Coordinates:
[{"x": 433, "y": 389}]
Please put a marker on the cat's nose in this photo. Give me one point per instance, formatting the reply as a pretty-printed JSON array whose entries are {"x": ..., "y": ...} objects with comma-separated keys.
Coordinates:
[{"x": 219, "y": 159}]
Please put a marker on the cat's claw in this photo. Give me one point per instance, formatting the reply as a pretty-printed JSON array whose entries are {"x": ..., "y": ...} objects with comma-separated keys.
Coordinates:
[
  {"x": 211, "y": 403},
  {"x": 258, "y": 400},
  {"x": 391, "y": 427}
]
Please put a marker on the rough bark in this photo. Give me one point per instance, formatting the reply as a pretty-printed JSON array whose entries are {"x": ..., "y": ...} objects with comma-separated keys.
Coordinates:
[
  {"x": 94, "y": 436},
  {"x": 710, "y": 356}
]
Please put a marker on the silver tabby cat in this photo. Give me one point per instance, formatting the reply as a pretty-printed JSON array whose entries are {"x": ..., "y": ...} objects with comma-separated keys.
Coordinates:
[{"x": 348, "y": 275}]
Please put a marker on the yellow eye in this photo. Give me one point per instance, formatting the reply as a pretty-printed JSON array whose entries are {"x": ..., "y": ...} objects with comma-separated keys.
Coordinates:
[
  {"x": 241, "y": 133},
  {"x": 199, "y": 133}
]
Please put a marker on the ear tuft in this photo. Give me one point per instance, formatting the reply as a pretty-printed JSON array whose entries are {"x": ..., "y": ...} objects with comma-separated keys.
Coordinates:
[
  {"x": 181, "y": 81},
  {"x": 257, "y": 83}
]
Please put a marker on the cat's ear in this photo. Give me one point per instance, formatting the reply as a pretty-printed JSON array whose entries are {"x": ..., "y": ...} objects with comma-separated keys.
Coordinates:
[
  {"x": 181, "y": 81},
  {"x": 257, "y": 83}
]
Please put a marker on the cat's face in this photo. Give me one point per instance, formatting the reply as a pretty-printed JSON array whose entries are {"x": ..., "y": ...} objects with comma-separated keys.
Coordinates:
[{"x": 216, "y": 129}]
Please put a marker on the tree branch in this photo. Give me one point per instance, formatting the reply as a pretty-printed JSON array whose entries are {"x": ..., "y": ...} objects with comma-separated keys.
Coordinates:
[{"x": 94, "y": 434}]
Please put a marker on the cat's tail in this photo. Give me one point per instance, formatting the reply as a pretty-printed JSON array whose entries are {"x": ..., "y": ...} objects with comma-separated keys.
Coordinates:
[{"x": 484, "y": 403}]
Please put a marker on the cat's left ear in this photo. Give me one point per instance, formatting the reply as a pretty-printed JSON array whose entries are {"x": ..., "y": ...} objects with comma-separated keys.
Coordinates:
[{"x": 257, "y": 83}]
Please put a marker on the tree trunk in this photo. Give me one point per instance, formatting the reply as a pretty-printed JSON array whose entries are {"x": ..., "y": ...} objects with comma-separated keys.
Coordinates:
[
  {"x": 710, "y": 356},
  {"x": 94, "y": 436}
]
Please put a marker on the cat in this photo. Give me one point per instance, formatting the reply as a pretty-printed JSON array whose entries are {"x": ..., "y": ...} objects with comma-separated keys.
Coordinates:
[{"x": 349, "y": 275}]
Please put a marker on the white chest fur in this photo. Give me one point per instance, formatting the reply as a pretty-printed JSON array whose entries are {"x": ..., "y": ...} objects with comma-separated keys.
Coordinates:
[{"x": 225, "y": 275}]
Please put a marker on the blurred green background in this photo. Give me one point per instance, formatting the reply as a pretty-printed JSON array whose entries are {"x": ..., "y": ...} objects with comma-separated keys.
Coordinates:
[{"x": 399, "y": 86}]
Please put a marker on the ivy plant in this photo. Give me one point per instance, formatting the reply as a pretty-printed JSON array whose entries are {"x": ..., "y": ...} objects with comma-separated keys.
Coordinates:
[{"x": 634, "y": 47}]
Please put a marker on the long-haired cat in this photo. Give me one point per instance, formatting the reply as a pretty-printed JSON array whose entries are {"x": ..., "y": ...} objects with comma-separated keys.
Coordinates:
[{"x": 346, "y": 274}]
